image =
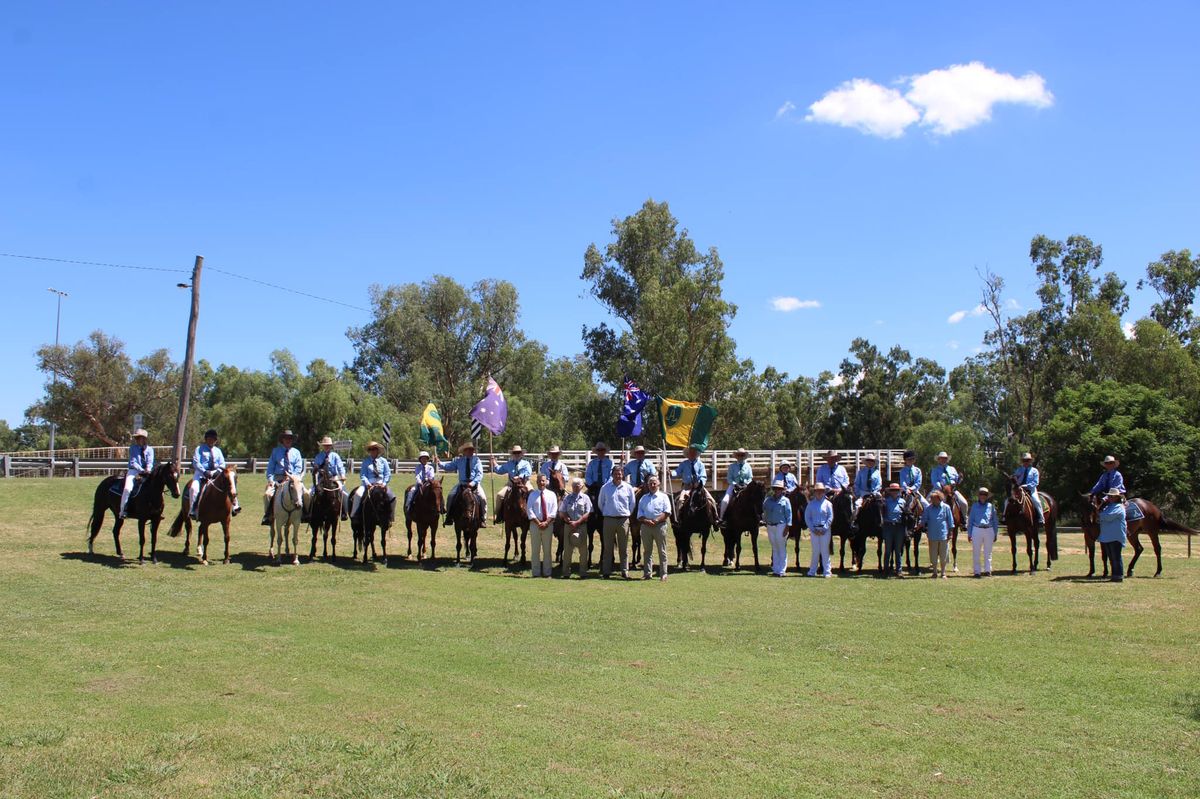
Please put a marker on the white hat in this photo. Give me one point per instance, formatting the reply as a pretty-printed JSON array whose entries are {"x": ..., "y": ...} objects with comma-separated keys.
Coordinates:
[
  {"x": 140, "y": 433},
  {"x": 517, "y": 448},
  {"x": 1113, "y": 492},
  {"x": 779, "y": 484},
  {"x": 870, "y": 456},
  {"x": 943, "y": 454},
  {"x": 422, "y": 454},
  {"x": 1028, "y": 456},
  {"x": 1109, "y": 459},
  {"x": 984, "y": 490},
  {"x": 819, "y": 487},
  {"x": 326, "y": 441},
  {"x": 786, "y": 463}
]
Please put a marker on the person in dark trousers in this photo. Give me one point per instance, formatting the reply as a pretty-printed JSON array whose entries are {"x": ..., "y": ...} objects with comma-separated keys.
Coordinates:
[{"x": 1112, "y": 532}]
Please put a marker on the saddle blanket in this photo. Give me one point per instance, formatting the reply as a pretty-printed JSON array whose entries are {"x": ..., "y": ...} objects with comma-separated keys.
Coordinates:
[
  {"x": 1133, "y": 513},
  {"x": 119, "y": 486}
]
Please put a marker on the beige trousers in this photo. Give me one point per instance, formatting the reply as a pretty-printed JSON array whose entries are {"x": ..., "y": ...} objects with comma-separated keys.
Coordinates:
[
  {"x": 541, "y": 553},
  {"x": 575, "y": 541},
  {"x": 654, "y": 537},
  {"x": 614, "y": 533}
]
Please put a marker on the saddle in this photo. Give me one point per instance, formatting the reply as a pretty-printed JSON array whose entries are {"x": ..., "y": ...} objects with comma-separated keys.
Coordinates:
[{"x": 118, "y": 487}]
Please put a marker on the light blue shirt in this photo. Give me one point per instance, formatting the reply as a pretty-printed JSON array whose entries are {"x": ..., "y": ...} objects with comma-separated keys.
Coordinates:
[
  {"x": 284, "y": 462},
  {"x": 652, "y": 505},
  {"x": 739, "y": 474},
  {"x": 616, "y": 500},
  {"x": 637, "y": 470},
  {"x": 549, "y": 467},
  {"x": 789, "y": 480},
  {"x": 519, "y": 468},
  {"x": 141, "y": 458},
  {"x": 690, "y": 471},
  {"x": 424, "y": 472},
  {"x": 833, "y": 477},
  {"x": 938, "y": 521},
  {"x": 867, "y": 481},
  {"x": 983, "y": 514},
  {"x": 1109, "y": 480},
  {"x": 777, "y": 511},
  {"x": 818, "y": 515},
  {"x": 336, "y": 467},
  {"x": 470, "y": 469},
  {"x": 944, "y": 477},
  {"x": 1027, "y": 477},
  {"x": 598, "y": 471},
  {"x": 575, "y": 506},
  {"x": 375, "y": 470},
  {"x": 205, "y": 459},
  {"x": 911, "y": 478},
  {"x": 893, "y": 510},
  {"x": 1112, "y": 523}
]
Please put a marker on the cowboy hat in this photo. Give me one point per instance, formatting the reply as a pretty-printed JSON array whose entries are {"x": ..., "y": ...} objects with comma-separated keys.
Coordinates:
[
  {"x": 422, "y": 454},
  {"x": 600, "y": 446},
  {"x": 326, "y": 442},
  {"x": 741, "y": 451},
  {"x": 467, "y": 446},
  {"x": 1109, "y": 459},
  {"x": 140, "y": 433},
  {"x": 785, "y": 463},
  {"x": 908, "y": 453},
  {"x": 210, "y": 433},
  {"x": 1113, "y": 492},
  {"x": 373, "y": 445},
  {"x": 893, "y": 487},
  {"x": 819, "y": 487},
  {"x": 984, "y": 490},
  {"x": 287, "y": 434},
  {"x": 779, "y": 484},
  {"x": 870, "y": 456},
  {"x": 943, "y": 454},
  {"x": 831, "y": 454},
  {"x": 555, "y": 450},
  {"x": 1028, "y": 456},
  {"x": 517, "y": 448},
  {"x": 638, "y": 448}
]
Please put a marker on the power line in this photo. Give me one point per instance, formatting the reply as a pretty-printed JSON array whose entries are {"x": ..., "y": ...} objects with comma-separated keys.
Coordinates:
[
  {"x": 285, "y": 288},
  {"x": 90, "y": 263}
]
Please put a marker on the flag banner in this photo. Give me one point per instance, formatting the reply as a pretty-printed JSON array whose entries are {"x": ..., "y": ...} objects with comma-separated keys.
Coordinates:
[
  {"x": 685, "y": 424},
  {"x": 492, "y": 410},
  {"x": 431, "y": 430},
  {"x": 629, "y": 423}
]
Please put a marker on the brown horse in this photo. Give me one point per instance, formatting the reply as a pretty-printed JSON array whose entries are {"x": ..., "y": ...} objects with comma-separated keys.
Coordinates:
[
  {"x": 1020, "y": 519},
  {"x": 215, "y": 506},
  {"x": 516, "y": 520},
  {"x": 467, "y": 510},
  {"x": 325, "y": 513},
  {"x": 744, "y": 515},
  {"x": 557, "y": 484},
  {"x": 145, "y": 506},
  {"x": 1152, "y": 523},
  {"x": 424, "y": 510},
  {"x": 375, "y": 510}
]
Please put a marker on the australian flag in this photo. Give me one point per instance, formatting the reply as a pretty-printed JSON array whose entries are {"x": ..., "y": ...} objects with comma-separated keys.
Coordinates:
[
  {"x": 492, "y": 410},
  {"x": 629, "y": 424}
]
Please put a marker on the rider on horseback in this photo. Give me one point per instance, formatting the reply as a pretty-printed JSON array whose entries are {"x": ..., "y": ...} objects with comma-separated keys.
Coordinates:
[
  {"x": 691, "y": 475},
  {"x": 911, "y": 477},
  {"x": 470, "y": 475},
  {"x": 599, "y": 469},
  {"x": 1028, "y": 479},
  {"x": 549, "y": 467},
  {"x": 374, "y": 471},
  {"x": 334, "y": 467},
  {"x": 867, "y": 482},
  {"x": 518, "y": 470},
  {"x": 141, "y": 463},
  {"x": 286, "y": 462},
  {"x": 207, "y": 462},
  {"x": 638, "y": 468},
  {"x": 833, "y": 475},
  {"x": 424, "y": 473},
  {"x": 1109, "y": 480},
  {"x": 738, "y": 477},
  {"x": 945, "y": 478},
  {"x": 785, "y": 475}
]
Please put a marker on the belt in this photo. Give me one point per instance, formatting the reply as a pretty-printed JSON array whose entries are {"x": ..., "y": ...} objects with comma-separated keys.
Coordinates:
[{"x": 616, "y": 517}]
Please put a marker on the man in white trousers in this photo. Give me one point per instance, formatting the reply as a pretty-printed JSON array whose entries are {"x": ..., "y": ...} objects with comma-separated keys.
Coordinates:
[
  {"x": 982, "y": 528},
  {"x": 777, "y": 515},
  {"x": 542, "y": 506},
  {"x": 818, "y": 516}
]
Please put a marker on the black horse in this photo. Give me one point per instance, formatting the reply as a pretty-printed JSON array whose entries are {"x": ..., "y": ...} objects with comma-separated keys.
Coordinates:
[
  {"x": 325, "y": 513},
  {"x": 145, "y": 506},
  {"x": 912, "y": 533},
  {"x": 843, "y": 524},
  {"x": 869, "y": 524},
  {"x": 374, "y": 511},
  {"x": 744, "y": 515},
  {"x": 695, "y": 516},
  {"x": 798, "y": 496}
]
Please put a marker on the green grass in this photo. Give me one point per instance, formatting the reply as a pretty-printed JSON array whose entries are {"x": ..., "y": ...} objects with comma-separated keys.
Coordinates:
[{"x": 251, "y": 680}]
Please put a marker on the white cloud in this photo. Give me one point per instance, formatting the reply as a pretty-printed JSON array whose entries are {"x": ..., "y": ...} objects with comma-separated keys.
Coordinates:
[
  {"x": 836, "y": 381},
  {"x": 787, "y": 304},
  {"x": 866, "y": 106},
  {"x": 952, "y": 344},
  {"x": 1128, "y": 330},
  {"x": 785, "y": 109},
  {"x": 1012, "y": 304},
  {"x": 956, "y": 317},
  {"x": 946, "y": 100}
]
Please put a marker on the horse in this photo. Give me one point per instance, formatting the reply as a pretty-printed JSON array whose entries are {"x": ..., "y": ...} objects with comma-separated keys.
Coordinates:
[
  {"x": 145, "y": 506},
  {"x": 635, "y": 528},
  {"x": 912, "y": 532},
  {"x": 215, "y": 506},
  {"x": 557, "y": 484},
  {"x": 798, "y": 496},
  {"x": 595, "y": 522},
  {"x": 696, "y": 515},
  {"x": 843, "y": 524},
  {"x": 423, "y": 510},
  {"x": 1020, "y": 517},
  {"x": 516, "y": 520},
  {"x": 869, "y": 523},
  {"x": 375, "y": 510},
  {"x": 325, "y": 513},
  {"x": 288, "y": 505},
  {"x": 1153, "y": 522},
  {"x": 468, "y": 516},
  {"x": 744, "y": 515}
]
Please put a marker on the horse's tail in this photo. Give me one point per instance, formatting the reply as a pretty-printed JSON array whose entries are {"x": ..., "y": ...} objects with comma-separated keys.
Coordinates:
[
  {"x": 97, "y": 518},
  {"x": 1172, "y": 526},
  {"x": 177, "y": 525}
]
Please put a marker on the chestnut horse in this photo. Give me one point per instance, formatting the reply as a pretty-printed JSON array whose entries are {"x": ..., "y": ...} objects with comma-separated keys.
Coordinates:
[
  {"x": 1152, "y": 523},
  {"x": 516, "y": 520},
  {"x": 215, "y": 506},
  {"x": 145, "y": 506},
  {"x": 1019, "y": 518},
  {"x": 744, "y": 515}
]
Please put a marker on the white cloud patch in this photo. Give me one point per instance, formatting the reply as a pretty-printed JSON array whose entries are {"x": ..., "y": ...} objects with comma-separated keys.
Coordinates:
[
  {"x": 944, "y": 100},
  {"x": 1128, "y": 330},
  {"x": 952, "y": 344},
  {"x": 958, "y": 316},
  {"x": 789, "y": 304},
  {"x": 785, "y": 109},
  {"x": 1012, "y": 304}
]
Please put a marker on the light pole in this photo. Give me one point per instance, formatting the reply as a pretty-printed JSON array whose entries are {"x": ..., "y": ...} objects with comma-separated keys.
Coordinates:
[{"x": 57, "y": 325}]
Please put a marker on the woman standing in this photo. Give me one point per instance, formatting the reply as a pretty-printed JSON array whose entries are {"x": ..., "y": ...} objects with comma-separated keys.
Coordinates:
[
  {"x": 1112, "y": 532},
  {"x": 982, "y": 528},
  {"x": 937, "y": 522}
]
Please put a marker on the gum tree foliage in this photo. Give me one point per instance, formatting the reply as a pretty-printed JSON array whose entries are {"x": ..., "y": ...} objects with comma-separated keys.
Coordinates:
[{"x": 1175, "y": 277}]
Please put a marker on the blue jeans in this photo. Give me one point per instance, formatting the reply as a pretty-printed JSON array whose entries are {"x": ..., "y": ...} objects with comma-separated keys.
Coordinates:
[
  {"x": 893, "y": 547},
  {"x": 1112, "y": 551}
]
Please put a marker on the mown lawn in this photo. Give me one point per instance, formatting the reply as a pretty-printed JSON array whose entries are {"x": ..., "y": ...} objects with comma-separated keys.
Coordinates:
[{"x": 331, "y": 680}]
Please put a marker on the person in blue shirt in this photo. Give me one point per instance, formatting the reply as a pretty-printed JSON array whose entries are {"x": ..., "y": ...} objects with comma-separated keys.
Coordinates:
[
  {"x": 785, "y": 474},
  {"x": 335, "y": 467},
  {"x": 141, "y": 464},
  {"x": 553, "y": 466},
  {"x": 1028, "y": 479},
  {"x": 207, "y": 462},
  {"x": 423, "y": 473},
  {"x": 653, "y": 510},
  {"x": 818, "y": 518},
  {"x": 470, "y": 474},
  {"x": 832, "y": 474},
  {"x": 1111, "y": 519},
  {"x": 374, "y": 471},
  {"x": 778, "y": 516},
  {"x": 518, "y": 470},
  {"x": 867, "y": 482},
  {"x": 691, "y": 474},
  {"x": 911, "y": 477},
  {"x": 737, "y": 477},
  {"x": 945, "y": 478},
  {"x": 983, "y": 526},
  {"x": 893, "y": 531},
  {"x": 937, "y": 521},
  {"x": 598, "y": 470},
  {"x": 638, "y": 468},
  {"x": 285, "y": 462},
  {"x": 1109, "y": 480}
]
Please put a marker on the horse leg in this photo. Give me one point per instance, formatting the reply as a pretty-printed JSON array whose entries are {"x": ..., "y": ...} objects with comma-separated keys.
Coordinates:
[
  {"x": 383, "y": 531},
  {"x": 524, "y": 544},
  {"x": 312, "y": 552},
  {"x": 225, "y": 530},
  {"x": 754, "y": 546},
  {"x": 408, "y": 526},
  {"x": 1012, "y": 542},
  {"x": 954, "y": 549},
  {"x": 842, "y": 560},
  {"x": 1157, "y": 552},
  {"x": 1031, "y": 551},
  {"x": 879, "y": 551},
  {"x": 458, "y": 542},
  {"x": 703, "y": 550},
  {"x": 1137, "y": 552},
  {"x": 154, "y": 540},
  {"x": 1089, "y": 544},
  {"x": 433, "y": 542},
  {"x": 117, "y": 536}
]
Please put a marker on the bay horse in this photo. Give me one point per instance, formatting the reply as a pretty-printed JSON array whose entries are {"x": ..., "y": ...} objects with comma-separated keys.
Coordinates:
[
  {"x": 144, "y": 506},
  {"x": 798, "y": 496},
  {"x": 843, "y": 524},
  {"x": 695, "y": 516},
  {"x": 215, "y": 506},
  {"x": 744, "y": 515},
  {"x": 288, "y": 506},
  {"x": 516, "y": 520},
  {"x": 1153, "y": 522},
  {"x": 424, "y": 511},
  {"x": 375, "y": 510},
  {"x": 1020, "y": 518},
  {"x": 869, "y": 523},
  {"x": 635, "y": 528},
  {"x": 557, "y": 484},
  {"x": 325, "y": 513},
  {"x": 912, "y": 532},
  {"x": 468, "y": 516}
]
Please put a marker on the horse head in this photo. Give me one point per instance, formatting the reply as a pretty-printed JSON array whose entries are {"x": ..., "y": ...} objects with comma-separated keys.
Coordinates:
[{"x": 165, "y": 474}]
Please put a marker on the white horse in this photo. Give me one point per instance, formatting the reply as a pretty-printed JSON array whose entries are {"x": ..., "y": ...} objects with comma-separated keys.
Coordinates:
[{"x": 289, "y": 506}]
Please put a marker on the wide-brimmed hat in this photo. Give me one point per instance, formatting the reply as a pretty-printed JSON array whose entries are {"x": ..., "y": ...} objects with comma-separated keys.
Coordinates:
[
  {"x": 211, "y": 433},
  {"x": 141, "y": 433},
  {"x": 1028, "y": 456},
  {"x": 741, "y": 451},
  {"x": 943, "y": 454},
  {"x": 464, "y": 447},
  {"x": 1113, "y": 492},
  {"x": 984, "y": 490},
  {"x": 870, "y": 456},
  {"x": 785, "y": 463},
  {"x": 373, "y": 445},
  {"x": 819, "y": 487},
  {"x": 422, "y": 454},
  {"x": 287, "y": 434},
  {"x": 600, "y": 445},
  {"x": 638, "y": 448},
  {"x": 326, "y": 442},
  {"x": 517, "y": 448},
  {"x": 1108, "y": 459},
  {"x": 893, "y": 487},
  {"x": 555, "y": 450},
  {"x": 779, "y": 484},
  {"x": 831, "y": 454}
]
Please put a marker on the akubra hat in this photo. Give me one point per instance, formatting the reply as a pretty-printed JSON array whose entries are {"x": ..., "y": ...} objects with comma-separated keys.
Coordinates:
[
  {"x": 326, "y": 442},
  {"x": 141, "y": 433},
  {"x": 373, "y": 445}
]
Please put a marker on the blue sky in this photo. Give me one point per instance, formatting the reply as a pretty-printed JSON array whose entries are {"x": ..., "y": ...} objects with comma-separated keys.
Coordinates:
[{"x": 329, "y": 149}]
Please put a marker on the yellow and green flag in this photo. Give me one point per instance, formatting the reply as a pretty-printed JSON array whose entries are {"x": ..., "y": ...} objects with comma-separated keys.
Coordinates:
[
  {"x": 431, "y": 430},
  {"x": 685, "y": 424}
]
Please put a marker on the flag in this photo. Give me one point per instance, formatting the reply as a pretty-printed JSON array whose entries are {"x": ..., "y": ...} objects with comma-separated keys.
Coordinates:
[
  {"x": 629, "y": 423},
  {"x": 431, "y": 430},
  {"x": 492, "y": 410},
  {"x": 685, "y": 424}
]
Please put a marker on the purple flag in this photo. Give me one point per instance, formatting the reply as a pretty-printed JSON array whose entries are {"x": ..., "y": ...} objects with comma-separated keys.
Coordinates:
[{"x": 492, "y": 410}]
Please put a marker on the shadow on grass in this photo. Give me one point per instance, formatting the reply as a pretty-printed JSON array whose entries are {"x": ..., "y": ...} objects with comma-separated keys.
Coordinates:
[
  {"x": 1078, "y": 578},
  {"x": 111, "y": 561}
]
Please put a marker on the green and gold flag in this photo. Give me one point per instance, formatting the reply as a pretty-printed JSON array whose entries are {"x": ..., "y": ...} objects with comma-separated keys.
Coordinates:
[
  {"x": 685, "y": 424},
  {"x": 431, "y": 430}
]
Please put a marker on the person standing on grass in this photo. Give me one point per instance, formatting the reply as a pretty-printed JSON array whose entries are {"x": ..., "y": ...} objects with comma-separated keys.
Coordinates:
[
  {"x": 982, "y": 528},
  {"x": 574, "y": 511},
  {"x": 1112, "y": 532},
  {"x": 617, "y": 504},
  {"x": 937, "y": 521},
  {"x": 778, "y": 516},
  {"x": 653, "y": 512},
  {"x": 542, "y": 506},
  {"x": 893, "y": 531},
  {"x": 818, "y": 516}
]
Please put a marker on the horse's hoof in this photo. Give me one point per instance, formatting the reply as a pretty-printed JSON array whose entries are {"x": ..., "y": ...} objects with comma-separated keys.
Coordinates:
[
  {"x": 295, "y": 561},
  {"x": 203, "y": 562},
  {"x": 226, "y": 561}
]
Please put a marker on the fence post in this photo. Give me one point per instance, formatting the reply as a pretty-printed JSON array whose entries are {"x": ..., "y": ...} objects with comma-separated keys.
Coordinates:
[
  {"x": 75, "y": 466},
  {"x": 8, "y": 466},
  {"x": 253, "y": 465}
]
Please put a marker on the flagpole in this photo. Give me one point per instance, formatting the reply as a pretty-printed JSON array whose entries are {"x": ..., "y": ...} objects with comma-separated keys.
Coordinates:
[{"x": 491, "y": 460}]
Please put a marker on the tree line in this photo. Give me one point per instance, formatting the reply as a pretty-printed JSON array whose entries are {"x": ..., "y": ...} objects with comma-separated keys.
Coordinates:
[{"x": 1063, "y": 379}]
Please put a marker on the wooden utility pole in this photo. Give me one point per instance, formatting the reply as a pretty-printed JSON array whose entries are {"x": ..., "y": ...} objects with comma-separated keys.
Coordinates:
[{"x": 185, "y": 390}]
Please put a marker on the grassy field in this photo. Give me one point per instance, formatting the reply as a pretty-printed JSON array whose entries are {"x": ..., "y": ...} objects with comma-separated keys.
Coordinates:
[{"x": 251, "y": 680}]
